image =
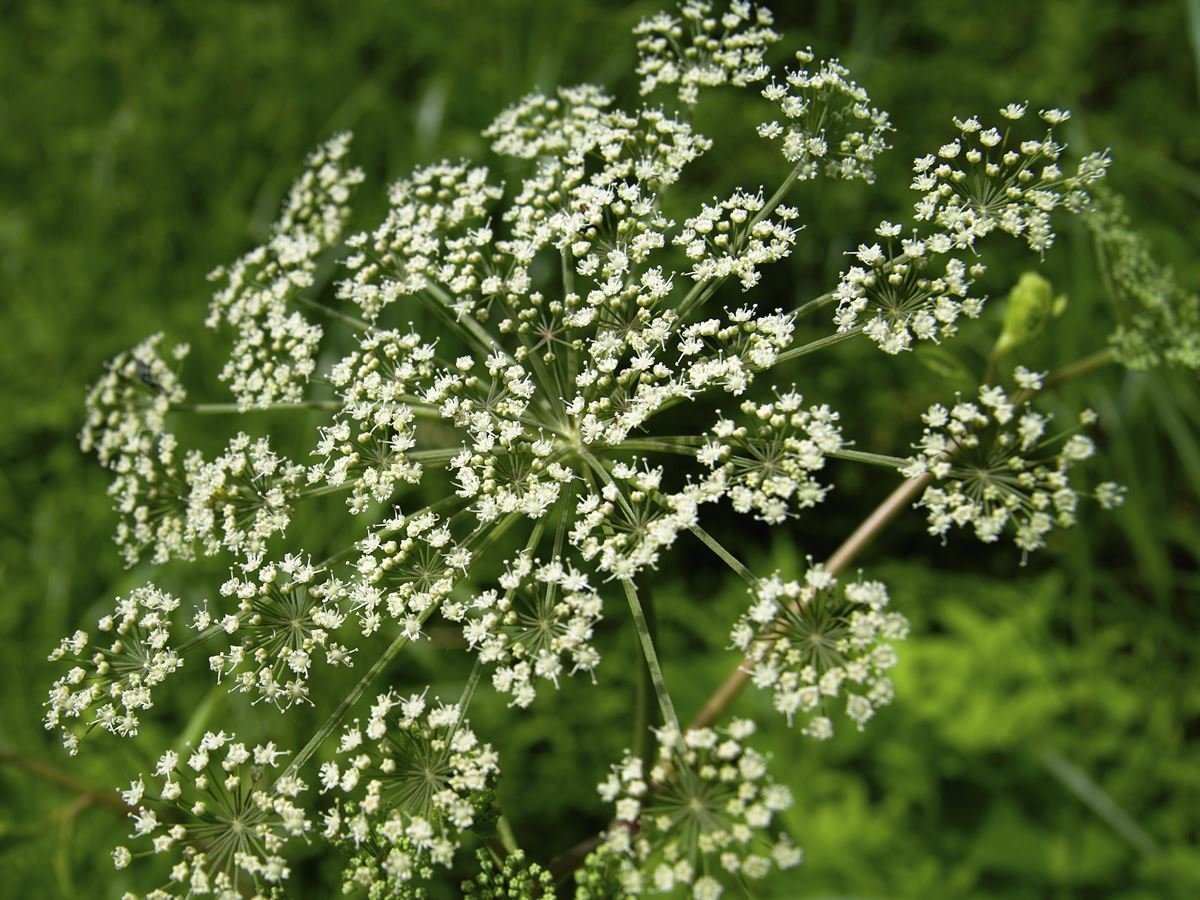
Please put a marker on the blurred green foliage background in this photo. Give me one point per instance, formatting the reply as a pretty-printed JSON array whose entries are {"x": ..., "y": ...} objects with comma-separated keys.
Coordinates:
[{"x": 1043, "y": 742}]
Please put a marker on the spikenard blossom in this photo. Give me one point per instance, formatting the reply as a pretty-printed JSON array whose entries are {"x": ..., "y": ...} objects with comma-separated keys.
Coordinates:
[
  {"x": 703, "y": 49},
  {"x": 240, "y": 499},
  {"x": 285, "y": 617},
  {"x": 767, "y": 465},
  {"x": 410, "y": 783},
  {"x": 996, "y": 467},
  {"x": 578, "y": 312},
  {"x": 699, "y": 819},
  {"x": 986, "y": 180},
  {"x": 539, "y": 626},
  {"x": 274, "y": 348},
  {"x": 812, "y": 644},
  {"x": 223, "y": 814},
  {"x": 831, "y": 127},
  {"x": 126, "y": 427},
  {"x": 111, "y": 682}
]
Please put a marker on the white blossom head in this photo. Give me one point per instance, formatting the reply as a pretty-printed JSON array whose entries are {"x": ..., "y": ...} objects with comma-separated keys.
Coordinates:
[
  {"x": 704, "y": 49},
  {"x": 996, "y": 467},
  {"x": 224, "y": 814},
  {"x": 274, "y": 349},
  {"x": 125, "y": 426},
  {"x": 240, "y": 499},
  {"x": 283, "y": 619},
  {"x": 537, "y": 627},
  {"x": 821, "y": 648},
  {"x": 768, "y": 465},
  {"x": 829, "y": 125},
  {"x": 410, "y": 783},
  {"x": 702, "y": 817},
  {"x": 112, "y": 678}
]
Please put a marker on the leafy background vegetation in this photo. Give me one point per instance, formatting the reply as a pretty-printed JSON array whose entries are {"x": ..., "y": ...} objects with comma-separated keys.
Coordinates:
[{"x": 1043, "y": 740}]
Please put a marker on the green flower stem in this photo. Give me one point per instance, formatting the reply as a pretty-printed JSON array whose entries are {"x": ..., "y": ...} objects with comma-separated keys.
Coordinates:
[
  {"x": 504, "y": 831},
  {"x": 348, "y": 319},
  {"x": 641, "y": 713},
  {"x": 434, "y": 456},
  {"x": 650, "y": 655},
  {"x": 233, "y": 408},
  {"x": 468, "y": 694},
  {"x": 725, "y": 556},
  {"x": 777, "y": 197},
  {"x": 819, "y": 344},
  {"x": 872, "y": 459},
  {"x": 814, "y": 304},
  {"x": 684, "y": 446}
]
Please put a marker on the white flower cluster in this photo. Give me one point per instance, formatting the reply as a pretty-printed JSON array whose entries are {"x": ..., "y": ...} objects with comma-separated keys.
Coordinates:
[
  {"x": 700, "y": 815},
  {"x": 630, "y": 522},
  {"x": 407, "y": 567},
  {"x": 831, "y": 127},
  {"x": 113, "y": 681},
  {"x": 505, "y": 465},
  {"x": 701, "y": 49},
  {"x": 736, "y": 236},
  {"x": 285, "y": 616},
  {"x": 126, "y": 409},
  {"x": 978, "y": 183},
  {"x": 225, "y": 813},
  {"x": 914, "y": 291},
  {"x": 125, "y": 426},
  {"x": 274, "y": 349},
  {"x": 366, "y": 446},
  {"x": 240, "y": 499},
  {"x": 412, "y": 787},
  {"x": 981, "y": 182},
  {"x": 436, "y": 233},
  {"x": 809, "y": 642},
  {"x": 541, "y": 624},
  {"x": 995, "y": 468},
  {"x": 767, "y": 465},
  {"x": 235, "y": 502}
]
